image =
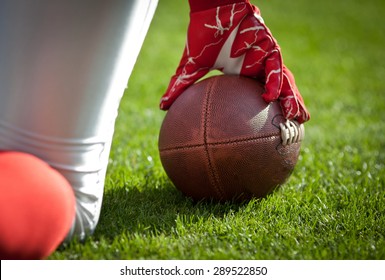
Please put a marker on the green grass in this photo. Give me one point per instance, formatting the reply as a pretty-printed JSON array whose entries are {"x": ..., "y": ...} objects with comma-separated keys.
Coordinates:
[{"x": 332, "y": 207}]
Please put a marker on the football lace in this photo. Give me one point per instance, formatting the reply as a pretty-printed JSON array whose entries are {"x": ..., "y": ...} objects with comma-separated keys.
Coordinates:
[{"x": 291, "y": 132}]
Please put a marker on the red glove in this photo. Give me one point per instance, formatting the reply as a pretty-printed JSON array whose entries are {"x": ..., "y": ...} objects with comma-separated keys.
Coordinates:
[{"x": 230, "y": 36}]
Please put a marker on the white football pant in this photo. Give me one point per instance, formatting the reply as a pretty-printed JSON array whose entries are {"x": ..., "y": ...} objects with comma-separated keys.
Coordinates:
[{"x": 64, "y": 65}]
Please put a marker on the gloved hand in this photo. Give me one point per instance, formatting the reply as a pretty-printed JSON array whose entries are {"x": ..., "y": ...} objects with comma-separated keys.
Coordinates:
[{"x": 230, "y": 36}]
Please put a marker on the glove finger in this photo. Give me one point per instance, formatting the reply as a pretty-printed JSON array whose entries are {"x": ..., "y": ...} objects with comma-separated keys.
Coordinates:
[
  {"x": 187, "y": 73},
  {"x": 251, "y": 34},
  {"x": 291, "y": 101},
  {"x": 273, "y": 72}
]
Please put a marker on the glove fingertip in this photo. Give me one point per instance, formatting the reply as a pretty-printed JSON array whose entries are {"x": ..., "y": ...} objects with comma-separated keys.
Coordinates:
[
  {"x": 304, "y": 117},
  {"x": 268, "y": 97},
  {"x": 164, "y": 104}
]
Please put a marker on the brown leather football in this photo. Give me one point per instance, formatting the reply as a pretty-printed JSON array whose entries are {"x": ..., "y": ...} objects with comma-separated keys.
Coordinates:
[{"x": 220, "y": 140}]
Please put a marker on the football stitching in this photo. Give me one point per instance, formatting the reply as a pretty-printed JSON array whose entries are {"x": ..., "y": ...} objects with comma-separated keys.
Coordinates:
[
  {"x": 222, "y": 143},
  {"x": 206, "y": 113}
]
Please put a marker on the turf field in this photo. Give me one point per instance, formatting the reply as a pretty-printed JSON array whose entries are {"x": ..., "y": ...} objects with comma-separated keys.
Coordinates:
[{"x": 333, "y": 206}]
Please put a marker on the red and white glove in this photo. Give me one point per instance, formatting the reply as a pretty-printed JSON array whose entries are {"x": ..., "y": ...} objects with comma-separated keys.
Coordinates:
[{"x": 230, "y": 36}]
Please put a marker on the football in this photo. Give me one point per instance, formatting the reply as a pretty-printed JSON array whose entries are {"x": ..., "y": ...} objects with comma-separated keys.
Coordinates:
[{"x": 221, "y": 141}]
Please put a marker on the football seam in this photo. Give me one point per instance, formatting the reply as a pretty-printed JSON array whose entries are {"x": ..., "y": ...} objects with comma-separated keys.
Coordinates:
[
  {"x": 221, "y": 143},
  {"x": 206, "y": 113}
]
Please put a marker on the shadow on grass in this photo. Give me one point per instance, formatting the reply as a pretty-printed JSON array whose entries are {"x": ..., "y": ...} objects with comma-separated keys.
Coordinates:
[{"x": 153, "y": 211}]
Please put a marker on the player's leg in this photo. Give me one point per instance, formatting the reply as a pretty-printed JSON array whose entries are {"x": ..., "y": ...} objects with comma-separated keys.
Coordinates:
[{"x": 64, "y": 68}]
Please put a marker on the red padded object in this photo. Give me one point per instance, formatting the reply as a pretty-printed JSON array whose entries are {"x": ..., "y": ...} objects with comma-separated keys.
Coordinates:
[
  {"x": 220, "y": 140},
  {"x": 37, "y": 207}
]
